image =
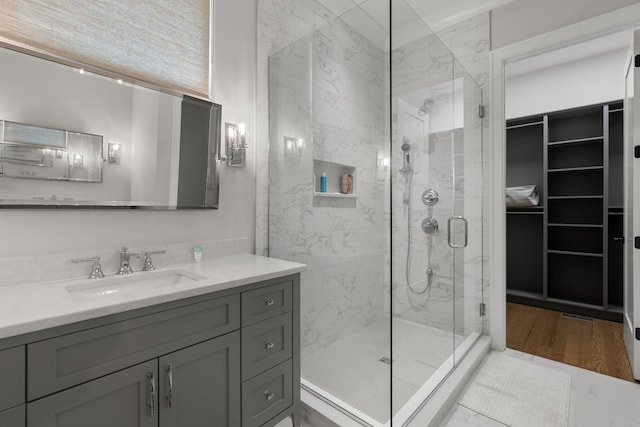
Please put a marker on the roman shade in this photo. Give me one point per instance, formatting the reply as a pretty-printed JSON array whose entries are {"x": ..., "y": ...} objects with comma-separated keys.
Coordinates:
[{"x": 162, "y": 42}]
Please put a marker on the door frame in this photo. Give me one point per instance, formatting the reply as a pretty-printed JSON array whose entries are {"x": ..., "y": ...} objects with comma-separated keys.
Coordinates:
[{"x": 603, "y": 25}]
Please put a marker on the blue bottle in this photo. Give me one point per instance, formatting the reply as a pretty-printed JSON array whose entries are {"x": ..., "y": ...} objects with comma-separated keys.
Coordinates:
[{"x": 323, "y": 183}]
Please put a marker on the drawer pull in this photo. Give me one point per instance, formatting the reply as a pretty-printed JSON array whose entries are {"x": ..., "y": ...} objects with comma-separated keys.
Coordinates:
[
  {"x": 151, "y": 403},
  {"x": 268, "y": 395},
  {"x": 270, "y": 302},
  {"x": 270, "y": 345}
]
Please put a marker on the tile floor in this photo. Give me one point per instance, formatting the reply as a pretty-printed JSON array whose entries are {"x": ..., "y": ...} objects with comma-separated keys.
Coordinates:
[{"x": 595, "y": 400}]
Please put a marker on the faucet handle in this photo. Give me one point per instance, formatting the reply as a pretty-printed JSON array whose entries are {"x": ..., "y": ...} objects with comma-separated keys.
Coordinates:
[
  {"x": 96, "y": 268},
  {"x": 148, "y": 262}
]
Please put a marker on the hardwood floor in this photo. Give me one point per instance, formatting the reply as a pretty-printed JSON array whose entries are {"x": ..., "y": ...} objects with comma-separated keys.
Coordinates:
[{"x": 596, "y": 345}]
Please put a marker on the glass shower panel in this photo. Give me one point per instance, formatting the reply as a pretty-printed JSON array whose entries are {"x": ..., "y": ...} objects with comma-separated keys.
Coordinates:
[
  {"x": 327, "y": 119},
  {"x": 437, "y": 185}
]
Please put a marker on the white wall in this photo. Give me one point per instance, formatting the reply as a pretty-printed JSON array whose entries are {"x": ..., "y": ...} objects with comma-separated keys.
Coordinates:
[
  {"x": 523, "y": 19},
  {"x": 587, "y": 81},
  {"x": 42, "y": 232}
]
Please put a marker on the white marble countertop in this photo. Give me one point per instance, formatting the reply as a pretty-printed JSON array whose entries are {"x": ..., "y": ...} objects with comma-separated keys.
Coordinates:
[{"x": 37, "y": 306}]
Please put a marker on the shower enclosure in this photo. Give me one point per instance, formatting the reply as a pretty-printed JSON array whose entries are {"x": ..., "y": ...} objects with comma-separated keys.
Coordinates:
[{"x": 376, "y": 183}]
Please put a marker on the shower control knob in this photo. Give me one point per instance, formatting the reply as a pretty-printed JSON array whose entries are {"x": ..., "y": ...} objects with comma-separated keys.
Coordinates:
[
  {"x": 430, "y": 197},
  {"x": 430, "y": 225}
]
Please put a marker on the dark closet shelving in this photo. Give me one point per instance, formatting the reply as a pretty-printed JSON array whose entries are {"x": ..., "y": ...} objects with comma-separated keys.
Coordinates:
[
  {"x": 525, "y": 155},
  {"x": 566, "y": 254}
]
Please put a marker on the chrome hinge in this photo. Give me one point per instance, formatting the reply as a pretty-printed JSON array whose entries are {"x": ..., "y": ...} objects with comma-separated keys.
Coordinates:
[
  {"x": 483, "y": 309},
  {"x": 481, "y": 111}
]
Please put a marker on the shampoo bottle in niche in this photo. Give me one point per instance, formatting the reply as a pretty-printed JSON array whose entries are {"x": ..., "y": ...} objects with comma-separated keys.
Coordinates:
[{"x": 323, "y": 183}]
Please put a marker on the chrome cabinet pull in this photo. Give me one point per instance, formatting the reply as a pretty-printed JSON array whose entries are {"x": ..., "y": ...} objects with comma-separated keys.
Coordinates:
[
  {"x": 151, "y": 402},
  {"x": 170, "y": 382},
  {"x": 270, "y": 345},
  {"x": 466, "y": 232},
  {"x": 268, "y": 395},
  {"x": 270, "y": 302}
]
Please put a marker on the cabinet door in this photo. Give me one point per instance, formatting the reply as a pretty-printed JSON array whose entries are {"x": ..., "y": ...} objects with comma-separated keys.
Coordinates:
[
  {"x": 12, "y": 378},
  {"x": 200, "y": 385},
  {"x": 127, "y": 398}
]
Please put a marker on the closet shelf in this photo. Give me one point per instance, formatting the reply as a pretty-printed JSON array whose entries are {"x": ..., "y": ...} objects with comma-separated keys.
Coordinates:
[
  {"x": 584, "y": 168},
  {"x": 524, "y": 125},
  {"x": 587, "y": 254},
  {"x": 525, "y": 213},
  {"x": 574, "y": 197},
  {"x": 577, "y": 141},
  {"x": 556, "y": 224}
]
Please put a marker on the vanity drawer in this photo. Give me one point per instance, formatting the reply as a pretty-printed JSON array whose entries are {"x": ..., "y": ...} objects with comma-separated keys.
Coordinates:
[
  {"x": 65, "y": 361},
  {"x": 263, "y": 303},
  {"x": 266, "y": 344},
  {"x": 12, "y": 378},
  {"x": 14, "y": 417},
  {"x": 266, "y": 395}
]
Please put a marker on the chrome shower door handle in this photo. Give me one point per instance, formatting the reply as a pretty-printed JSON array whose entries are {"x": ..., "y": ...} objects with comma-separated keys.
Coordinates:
[{"x": 466, "y": 232}]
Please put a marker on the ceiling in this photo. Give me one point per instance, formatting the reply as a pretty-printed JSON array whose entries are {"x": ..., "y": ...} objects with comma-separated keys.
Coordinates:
[
  {"x": 437, "y": 14},
  {"x": 571, "y": 53}
]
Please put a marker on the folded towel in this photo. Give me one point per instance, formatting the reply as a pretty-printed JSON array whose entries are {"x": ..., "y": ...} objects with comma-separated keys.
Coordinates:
[{"x": 522, "y": 197}]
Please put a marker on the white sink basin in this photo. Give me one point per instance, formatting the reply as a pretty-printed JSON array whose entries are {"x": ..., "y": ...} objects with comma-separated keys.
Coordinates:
[{"x": 136, "y": 282}]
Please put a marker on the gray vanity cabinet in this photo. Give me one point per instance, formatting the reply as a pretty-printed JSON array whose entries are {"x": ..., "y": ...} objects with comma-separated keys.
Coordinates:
[
  {"x": 200, "y": 385},
  {"x": 127, "y": 398},
  {"x": 225, "y": 359}
]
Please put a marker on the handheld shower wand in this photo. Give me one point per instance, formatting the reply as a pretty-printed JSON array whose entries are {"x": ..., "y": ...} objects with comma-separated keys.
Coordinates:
[{"x": 406, "y": 147}]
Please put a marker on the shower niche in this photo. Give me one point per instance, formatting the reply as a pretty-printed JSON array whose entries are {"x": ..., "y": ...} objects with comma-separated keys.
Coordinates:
[{"x": 334, "y": 173}]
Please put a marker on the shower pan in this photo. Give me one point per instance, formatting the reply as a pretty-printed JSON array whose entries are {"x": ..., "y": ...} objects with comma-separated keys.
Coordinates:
[{"x": 392, "y": 294}]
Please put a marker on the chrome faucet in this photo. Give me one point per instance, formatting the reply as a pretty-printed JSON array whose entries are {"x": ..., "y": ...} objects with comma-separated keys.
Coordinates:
[
  {"x": 148, "y": 262},
  {"x": 96, "y": 268},
  {"x": 125, "y": 258}
]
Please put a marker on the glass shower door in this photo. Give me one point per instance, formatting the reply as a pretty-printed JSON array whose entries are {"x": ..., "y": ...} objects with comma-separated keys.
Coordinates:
[{"x": 437, "y": 188}]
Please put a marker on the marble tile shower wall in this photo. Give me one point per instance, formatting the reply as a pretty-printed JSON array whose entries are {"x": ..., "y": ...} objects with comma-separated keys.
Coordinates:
[
  {"x": 280, "y": 23},
  {"x": 338, "y": 75}
]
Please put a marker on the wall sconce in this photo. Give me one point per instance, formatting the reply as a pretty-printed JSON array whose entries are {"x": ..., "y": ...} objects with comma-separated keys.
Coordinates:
[
  {"x": 236, "y": 139},
  {"x": 293, "y": 147},
  {"x": 114, "y": 153},
  {"x": 383, "y": 167},
  {"x": 78, "y": 161}
]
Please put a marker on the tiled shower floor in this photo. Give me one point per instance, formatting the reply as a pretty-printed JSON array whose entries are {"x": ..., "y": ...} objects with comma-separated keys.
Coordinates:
[{"x": 351, "y": 369}]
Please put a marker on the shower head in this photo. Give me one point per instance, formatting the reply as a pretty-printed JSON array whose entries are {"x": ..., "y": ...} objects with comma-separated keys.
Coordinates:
[
  {"x": 405, "y": 145},
  {"x": 425, "y": 107}
]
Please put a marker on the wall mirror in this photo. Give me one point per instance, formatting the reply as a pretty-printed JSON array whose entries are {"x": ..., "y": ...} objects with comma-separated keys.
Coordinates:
[{"x": 74, "y": 139}]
